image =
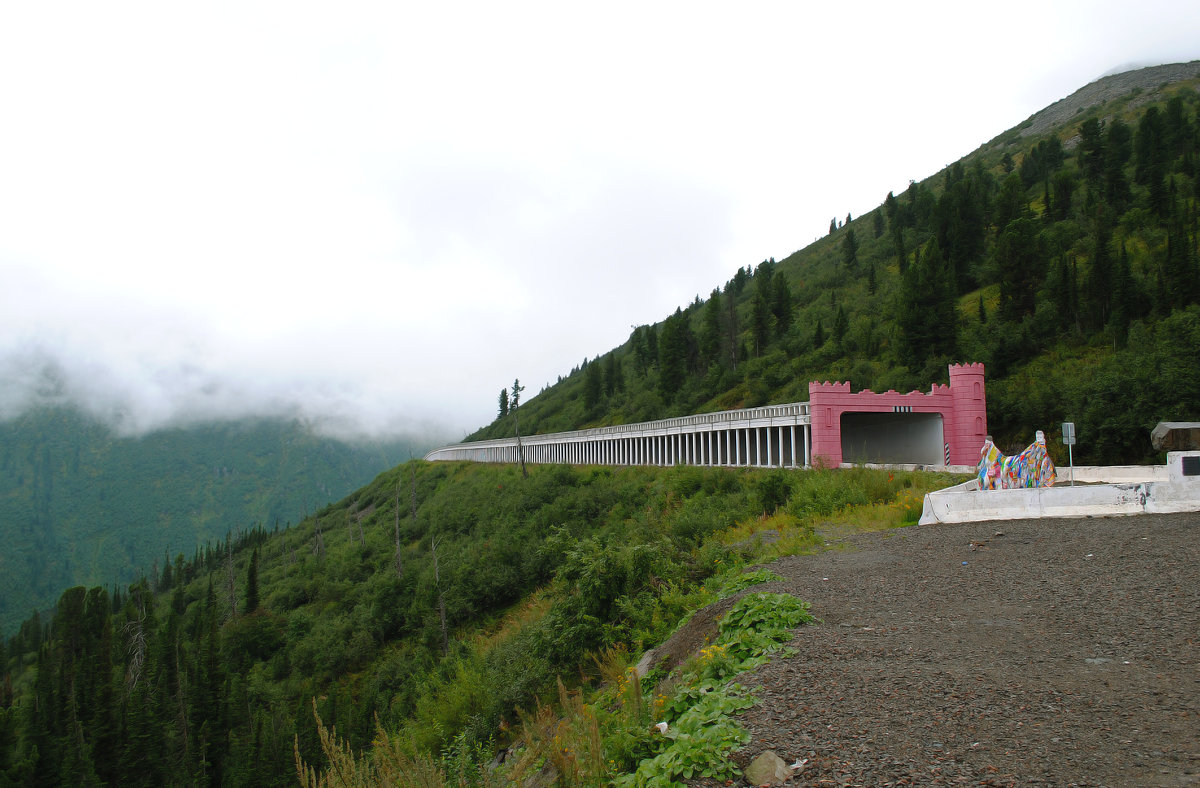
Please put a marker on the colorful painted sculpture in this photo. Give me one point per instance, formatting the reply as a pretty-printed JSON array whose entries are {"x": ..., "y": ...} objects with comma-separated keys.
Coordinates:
[{"x": 1030, "y": 468}]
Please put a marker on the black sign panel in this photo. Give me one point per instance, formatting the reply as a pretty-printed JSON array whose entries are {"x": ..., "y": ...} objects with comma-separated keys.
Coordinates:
[{"x": 1191, "y": 466}]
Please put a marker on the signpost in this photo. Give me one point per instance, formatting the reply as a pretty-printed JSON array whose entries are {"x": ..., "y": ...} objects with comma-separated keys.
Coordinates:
[{"x": 1068, "y": 439}]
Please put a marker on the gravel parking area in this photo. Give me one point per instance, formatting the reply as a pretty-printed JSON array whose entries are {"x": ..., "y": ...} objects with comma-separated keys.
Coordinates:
[{"x": 1038, "y": 652}]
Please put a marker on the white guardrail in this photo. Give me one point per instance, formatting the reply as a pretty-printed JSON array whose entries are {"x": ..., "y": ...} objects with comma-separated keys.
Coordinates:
[{"x": 788, "y": 415}]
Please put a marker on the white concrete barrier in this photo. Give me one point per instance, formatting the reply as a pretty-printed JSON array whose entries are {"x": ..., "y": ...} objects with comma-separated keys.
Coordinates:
[
  {"x": 1154, "y": 489},
  {"x": 1111, "y": 474}
]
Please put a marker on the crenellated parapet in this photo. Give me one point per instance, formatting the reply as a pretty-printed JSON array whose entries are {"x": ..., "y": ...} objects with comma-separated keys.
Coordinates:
[{"x": 830, "y": 387}]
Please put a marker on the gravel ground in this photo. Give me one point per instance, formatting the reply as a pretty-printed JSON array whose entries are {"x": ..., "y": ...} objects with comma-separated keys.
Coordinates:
[{"x": 1039, "y": 652}]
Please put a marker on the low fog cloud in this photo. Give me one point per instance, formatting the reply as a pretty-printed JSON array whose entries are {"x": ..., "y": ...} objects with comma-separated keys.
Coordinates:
[{"x": 136, "y": 396}]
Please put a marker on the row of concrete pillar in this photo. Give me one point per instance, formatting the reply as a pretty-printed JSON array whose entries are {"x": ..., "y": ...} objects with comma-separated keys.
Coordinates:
[{"x": 778, "y": 446}]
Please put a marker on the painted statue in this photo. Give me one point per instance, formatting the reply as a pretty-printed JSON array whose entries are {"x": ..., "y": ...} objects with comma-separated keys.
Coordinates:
[{"x": 1030, "y": 468}]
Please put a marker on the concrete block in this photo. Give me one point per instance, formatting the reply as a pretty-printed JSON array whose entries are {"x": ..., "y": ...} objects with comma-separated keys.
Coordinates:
[{"x": 1176, "y": 436}]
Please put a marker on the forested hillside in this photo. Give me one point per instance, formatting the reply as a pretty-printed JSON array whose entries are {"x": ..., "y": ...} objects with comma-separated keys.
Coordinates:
[
  {"x": 440, "y": 599},
  {"x": 1066, "y": 261},
  {"x": 81, "y": 505}
]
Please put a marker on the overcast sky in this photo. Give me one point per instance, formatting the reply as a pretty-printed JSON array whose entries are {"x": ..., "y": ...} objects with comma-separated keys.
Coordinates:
[{"x": 379, "y": 214}]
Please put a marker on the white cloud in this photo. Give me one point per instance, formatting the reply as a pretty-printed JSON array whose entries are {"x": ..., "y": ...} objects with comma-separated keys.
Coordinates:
[{"x": 383, "y": 213}]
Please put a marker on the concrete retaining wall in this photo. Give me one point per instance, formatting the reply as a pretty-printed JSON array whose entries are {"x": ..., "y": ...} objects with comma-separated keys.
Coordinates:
[{"x": 1150, "y": 489}]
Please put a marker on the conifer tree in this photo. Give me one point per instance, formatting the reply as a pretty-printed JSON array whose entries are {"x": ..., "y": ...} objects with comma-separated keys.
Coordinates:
[
  {"x": 614, "y": 381},
  {"x": 593, "y": 386},
  {"x": 672, "y": 356},
  {"x": 1121, "y": 300},
  {"x": 841, "y": 324},
  {"x": 1100, "y": 277},
  {"x": 781, "y": 305},
  {"x": 1117, "y": 150},
  {"x": 928, "y": 318},
  {"x": 760, "y": 321},
  {"x": 850, "y": 251},
  {"x": 710, "y": 330},
  {"x": 1019, "y": 262},
  {"x": 1091, "y": 150}
]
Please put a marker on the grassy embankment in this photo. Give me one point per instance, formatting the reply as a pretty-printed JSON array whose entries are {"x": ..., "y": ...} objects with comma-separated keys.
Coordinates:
[{"x": 599, "y": 727}]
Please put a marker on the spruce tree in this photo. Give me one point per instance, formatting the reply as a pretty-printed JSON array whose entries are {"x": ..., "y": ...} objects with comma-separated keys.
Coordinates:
[
  {"x": 841, "y": 324},
  {"x": 672, "y": 356},
  {"x": 760, "y": 321},
  {"x": 1100, "y": 277},
  {"x": 781, "y": 305},
  {"x": 1019, "y": 262},
  {"x": 850, "y": 251},
  {"x": 928, "y": 312},
  {"x": 614, "y": 381},
  {"x": 1121, "y": 299},
  {"x": 593, "y": 386},
  {"x": 710, "y": 330}
]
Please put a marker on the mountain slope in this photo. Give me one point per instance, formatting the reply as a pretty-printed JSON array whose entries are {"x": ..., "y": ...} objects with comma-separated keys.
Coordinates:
[
  {"x": 80, "y": 505},
  {"x": 436, "y": 601},
  {"x": 1064, "y": 260}
]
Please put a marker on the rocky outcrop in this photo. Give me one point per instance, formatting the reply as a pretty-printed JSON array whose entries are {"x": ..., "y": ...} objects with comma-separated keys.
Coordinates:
[{"x": 1105, "y": 89}]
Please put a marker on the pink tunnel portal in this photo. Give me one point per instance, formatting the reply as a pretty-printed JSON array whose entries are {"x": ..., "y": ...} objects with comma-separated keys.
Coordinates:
[{"x": 946, "y": 426}]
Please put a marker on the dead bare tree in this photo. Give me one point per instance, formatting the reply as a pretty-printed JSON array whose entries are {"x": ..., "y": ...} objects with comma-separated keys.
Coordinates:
[
  {"x": 229, "y": 571},
  {"x": 318, "y": 538},
  {"x": 517, "y": 388},
  {"x": 399, "y": 558},
  {"x": 354, "y": 517},
  {"x": 412, "y": 492},
  {"x": 437, "y": 582},
  {"x": 135, "y": 644}
]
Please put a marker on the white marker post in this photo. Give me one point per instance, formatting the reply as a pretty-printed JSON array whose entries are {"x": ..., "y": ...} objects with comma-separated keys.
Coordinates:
[{"x": 1068, "y": 439}]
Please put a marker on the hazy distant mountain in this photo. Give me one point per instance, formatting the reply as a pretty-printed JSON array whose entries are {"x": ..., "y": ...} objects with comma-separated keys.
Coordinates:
[{"x": 81, "y": 506}]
